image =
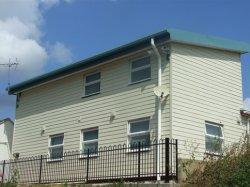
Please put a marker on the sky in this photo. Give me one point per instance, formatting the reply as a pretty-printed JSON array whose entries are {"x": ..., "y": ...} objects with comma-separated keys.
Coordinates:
[{"x": 43, "y": 35}]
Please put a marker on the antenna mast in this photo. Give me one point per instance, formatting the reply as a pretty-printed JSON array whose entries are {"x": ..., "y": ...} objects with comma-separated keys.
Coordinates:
[{"x": 9, "y": 66}]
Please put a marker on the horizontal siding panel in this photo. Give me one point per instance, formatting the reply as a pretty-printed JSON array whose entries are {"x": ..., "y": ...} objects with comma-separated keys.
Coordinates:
[
  {"x": 103, "y": 112},
  {"x": 68, "y": 126},
  {"x": 227, "y": 82},
  {"x": 210, "y": 64},
  {"x": 218, "y": 56},
  {"x": 185, "y": 91},
  {"x": 58, "y": 106},
  {"x": 206, "y": 86}
]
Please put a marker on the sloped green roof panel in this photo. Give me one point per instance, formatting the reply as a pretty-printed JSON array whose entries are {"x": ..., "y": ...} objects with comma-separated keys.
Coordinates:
[
  {"x": 174, "y": 35},
  {"x": 208, "y": 41}
]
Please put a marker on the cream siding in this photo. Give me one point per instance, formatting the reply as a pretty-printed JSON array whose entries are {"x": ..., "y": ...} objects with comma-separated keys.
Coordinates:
[
  {"x": 60, "y": 108},
  {"x": 205, "y": 86}
]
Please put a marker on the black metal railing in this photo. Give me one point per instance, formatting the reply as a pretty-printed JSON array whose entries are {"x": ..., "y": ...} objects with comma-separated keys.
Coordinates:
[{"x": 108, "y": 164}]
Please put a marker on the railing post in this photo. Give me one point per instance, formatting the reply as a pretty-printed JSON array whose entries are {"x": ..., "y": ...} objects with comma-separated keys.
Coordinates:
[
  {"x": 3, "y": 170},
  {"x": 40, "y": 171},
  {"x": 166, "y": 160},
  {"x": 139, "y": 159},
  {"x": 176, "y": 159},
  {"x": 87, "y": 176}
]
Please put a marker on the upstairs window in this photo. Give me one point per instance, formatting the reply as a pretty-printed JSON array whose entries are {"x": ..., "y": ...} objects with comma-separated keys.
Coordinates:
[
  {"x": 92, "y": 84},
  {"x": 214, "y": 138},
  {"x": 56, "y": 147},
  {"x": 90, "y": 141},
  {"x": 139, "y": 132},
  {"x": 140, "y": 70}
]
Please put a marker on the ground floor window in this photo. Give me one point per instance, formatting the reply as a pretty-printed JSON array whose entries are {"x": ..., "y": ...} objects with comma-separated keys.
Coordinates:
[
  {"x": 139, "y": 132},
  {"x": 214, "y": 138},
  {"x": 56, "y": 146},
  {"x": 89, "y": 141}
]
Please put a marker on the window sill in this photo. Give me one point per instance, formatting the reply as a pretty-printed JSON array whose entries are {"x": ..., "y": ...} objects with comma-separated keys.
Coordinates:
[
  {"x": 137, "y": 82},
  {"x": 55, "y": 160},
  {"x": 136, "y": 150},
  {"x": 82, "y": 156},
  {"x": 84, "y": 96},
  {"x": 213, "y": 153}
]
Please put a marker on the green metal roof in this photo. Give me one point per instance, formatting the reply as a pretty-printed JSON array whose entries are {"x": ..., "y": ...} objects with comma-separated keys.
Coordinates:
[
  {"x": 208, "y": 41},
  {"x": 173, "y": 35}
]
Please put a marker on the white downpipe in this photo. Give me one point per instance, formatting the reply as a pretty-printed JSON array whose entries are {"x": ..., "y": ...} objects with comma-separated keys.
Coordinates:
[
  {"x": 159, "y": 109},
  {"x": 248, "y": 130},
  {"x": 248, "y": 126}
]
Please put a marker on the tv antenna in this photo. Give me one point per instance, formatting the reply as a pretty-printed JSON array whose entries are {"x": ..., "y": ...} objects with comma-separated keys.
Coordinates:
[{"x": 10, "y": 65}]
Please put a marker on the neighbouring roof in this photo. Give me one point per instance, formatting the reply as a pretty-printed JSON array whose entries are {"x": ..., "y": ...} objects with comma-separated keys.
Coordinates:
[
  {"x": 6, "y": 119},
  {"x": 173, "y": 35},
  {"x": 245, "y": 113}
]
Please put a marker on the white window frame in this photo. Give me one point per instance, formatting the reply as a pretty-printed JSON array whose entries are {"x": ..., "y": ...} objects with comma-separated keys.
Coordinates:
[
  {"x": 214, "y": 136},
  {"x": 82, "y": 155},
  {"x": 52, "y": 146},
  {"x": 137, "y": 133},
  {"x": 90, "y": 83},
  {"x": 140, "y": 68}
]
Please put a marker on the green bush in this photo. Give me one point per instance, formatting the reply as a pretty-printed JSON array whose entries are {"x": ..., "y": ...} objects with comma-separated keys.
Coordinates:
[{"x": 232, "y": 168}]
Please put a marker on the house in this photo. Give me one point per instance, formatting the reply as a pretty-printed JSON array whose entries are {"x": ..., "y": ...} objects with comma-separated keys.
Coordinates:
[
  {"x": 174, "y": 83},
  {"x": 6, "y": 136}
]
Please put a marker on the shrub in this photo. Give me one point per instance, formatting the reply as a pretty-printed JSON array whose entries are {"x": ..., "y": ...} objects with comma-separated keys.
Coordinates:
[{"x": 232, "y": 168}]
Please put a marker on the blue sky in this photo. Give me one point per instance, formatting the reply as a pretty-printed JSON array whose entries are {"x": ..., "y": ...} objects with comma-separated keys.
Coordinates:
[{"x": 54, "y": 33}]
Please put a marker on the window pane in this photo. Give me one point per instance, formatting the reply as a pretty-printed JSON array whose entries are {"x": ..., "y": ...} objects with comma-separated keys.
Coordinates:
[
  {"x": 139, "y": 126},
  {"x": 92, "y": 147},
  {"x": 93, "y": 77},
  {"x": 56, "y": 152},
  {"x": 93, "y": 88},
  {"x": 56, "y": 140},
  {"x": 141, "y": 75},
  {"x": 143, "y": 139},
  {"x": 214, "y": 144},
  {"x": 90, "y": 135},
  {"x": 213, "y": 130},
  {"x": 140, "y": 62}
]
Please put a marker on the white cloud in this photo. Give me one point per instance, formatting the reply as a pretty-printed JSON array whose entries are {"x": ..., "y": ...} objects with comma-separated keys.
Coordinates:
[
  {"x": 21, "y": 43},
  {"x": 20, "y": 37},
  {"x": 27, "y": 10},
  {"x": 60, "y": 53},
  {"x": 247, "y": 104},
  {"x": 49, "y": 3},
  {"x": 14, "y": 26}
]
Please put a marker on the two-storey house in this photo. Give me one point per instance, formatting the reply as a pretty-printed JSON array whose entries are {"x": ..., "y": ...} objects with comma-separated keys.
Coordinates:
[{"x": 174, "y": 84}]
